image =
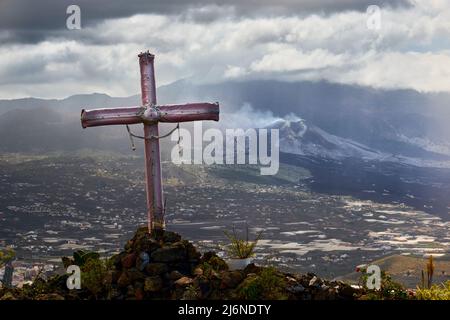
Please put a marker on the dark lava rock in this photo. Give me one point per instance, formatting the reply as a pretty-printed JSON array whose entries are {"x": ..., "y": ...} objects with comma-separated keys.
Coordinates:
[
  {"x": 123, "y": 280},
  {"x": 8, "y": 296},
  {"x": 153, "y": 284},
  {"x": 231, "y": 279},
  {"x": 171, "y": 237},
  {"x": 184, "y": 282},
  {"x": 49, "y": 296},
  {"x": 192, "y": 253},
  {"x": 139, "y": 294},
  {"x": 143, "y": 242},
  {"x": 156, "y": 268},
  {"x": 172, "y": 253},
  {"x": 135, "y": 275},
  {"x": 129, "y": 260},
  {"x": 252, "y": 268},
  {"x": 175, "y": 275}
]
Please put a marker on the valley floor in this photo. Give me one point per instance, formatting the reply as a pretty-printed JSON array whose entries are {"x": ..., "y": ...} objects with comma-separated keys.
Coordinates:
[{"x": 51, "y": 205}]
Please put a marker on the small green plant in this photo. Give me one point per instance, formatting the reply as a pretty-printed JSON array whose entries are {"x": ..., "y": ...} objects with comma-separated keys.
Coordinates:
[
  {"x": 93, "y": 269},
  {"x": 213, "y": 266},
  {"x": 93, "y": 273},
  {"x": 435, "y": 292},
  {"x": 192, "y": 292},
  {"x": 269, "y": 284},
  {"x": 6, "y": 255},
  {"x": 428, "y": 282},
  {"x": 241, "y": 248}
]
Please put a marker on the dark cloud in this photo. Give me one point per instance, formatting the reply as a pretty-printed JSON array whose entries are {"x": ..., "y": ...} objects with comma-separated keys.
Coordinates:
[{"x": 31, "y": 21}]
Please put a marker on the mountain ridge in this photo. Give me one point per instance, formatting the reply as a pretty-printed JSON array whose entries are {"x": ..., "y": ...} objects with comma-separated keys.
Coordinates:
[{"x": 365, "y": 122}]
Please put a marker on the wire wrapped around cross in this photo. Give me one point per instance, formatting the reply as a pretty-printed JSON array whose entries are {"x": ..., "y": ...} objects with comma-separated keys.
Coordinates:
[{"x": 132, "y": 135}]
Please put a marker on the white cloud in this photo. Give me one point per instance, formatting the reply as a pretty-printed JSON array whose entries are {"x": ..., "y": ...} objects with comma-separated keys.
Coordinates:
[
  {"x": 291, "y": 59},
  {"x": 412, "y": 50},
  {"x": 420, "y": 71},
  {"x": 233, "y": 72}
]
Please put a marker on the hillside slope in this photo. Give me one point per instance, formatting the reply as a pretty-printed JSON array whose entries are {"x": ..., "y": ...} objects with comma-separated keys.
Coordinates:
[{"x": 407, "y": 269}]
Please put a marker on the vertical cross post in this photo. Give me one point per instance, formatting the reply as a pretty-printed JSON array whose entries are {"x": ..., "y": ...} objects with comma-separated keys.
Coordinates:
[{"x": 153, "y": 179}]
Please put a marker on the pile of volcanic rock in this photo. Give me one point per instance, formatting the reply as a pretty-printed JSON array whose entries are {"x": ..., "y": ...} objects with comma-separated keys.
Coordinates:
[
  {"x": 158, "y": 266},
  {"x": 164, "y": 266}
]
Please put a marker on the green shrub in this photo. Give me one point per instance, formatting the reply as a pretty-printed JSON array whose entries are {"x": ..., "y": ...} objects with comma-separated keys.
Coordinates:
[
  {"x": 269, "y": 284},
  {"x": 436, "y": 292},
  {"x": 211, "y": 264},
  {"x": 93, "y": 273},
  {"x": 192, "y": 292}
]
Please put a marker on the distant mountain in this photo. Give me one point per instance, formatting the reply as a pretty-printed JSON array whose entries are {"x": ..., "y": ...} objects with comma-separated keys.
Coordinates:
[
  {"x": 44, "y": 129},
  {"x": 41, "y": 125},
  {"x": 71, "y": 104},
  {"x": 338, "y": 121}
]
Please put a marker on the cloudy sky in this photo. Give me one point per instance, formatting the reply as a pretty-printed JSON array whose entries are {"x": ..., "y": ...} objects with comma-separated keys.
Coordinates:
[{"x": 212, "y": 41}]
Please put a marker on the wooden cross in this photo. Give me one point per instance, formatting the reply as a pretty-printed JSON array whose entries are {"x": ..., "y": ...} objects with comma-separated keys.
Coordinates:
[{"x": 150, "y": 114}]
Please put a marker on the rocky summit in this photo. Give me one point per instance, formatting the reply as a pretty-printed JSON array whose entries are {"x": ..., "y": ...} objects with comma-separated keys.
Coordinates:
[{"x": 164, "y": 266}]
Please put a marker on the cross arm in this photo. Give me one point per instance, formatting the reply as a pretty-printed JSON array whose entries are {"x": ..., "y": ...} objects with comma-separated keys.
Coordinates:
[
  {"x": 160, "y": 113},
  {"x": 110, "y": 116}
]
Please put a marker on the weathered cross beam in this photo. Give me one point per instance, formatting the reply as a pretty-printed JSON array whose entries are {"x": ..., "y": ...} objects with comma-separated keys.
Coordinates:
[{"x": 150, "y": 114}]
